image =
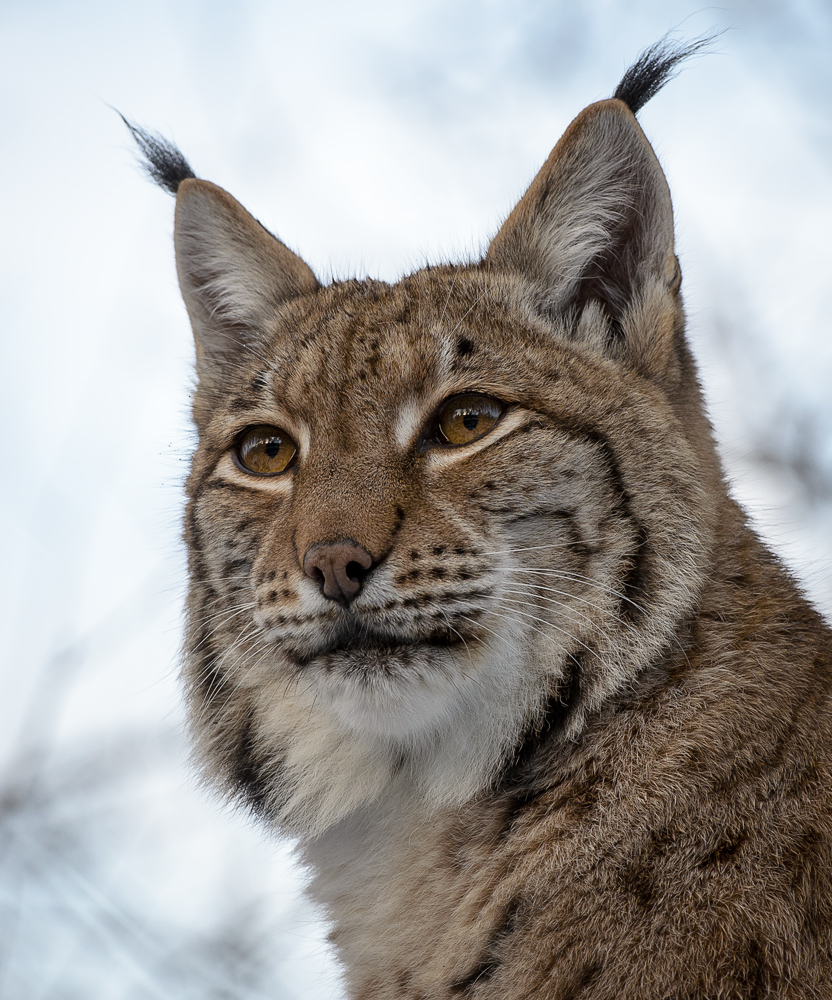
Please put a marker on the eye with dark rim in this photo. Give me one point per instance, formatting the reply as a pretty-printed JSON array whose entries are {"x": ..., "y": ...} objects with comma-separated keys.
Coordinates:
[
  {"x": 264, "y": 451},
  {"x": 466, "y": 418}
]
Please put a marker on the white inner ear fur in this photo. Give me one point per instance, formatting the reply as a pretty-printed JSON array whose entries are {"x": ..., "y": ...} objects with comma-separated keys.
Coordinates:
[
  {"x": 601, "y": 191},
  {"x": 233, "y": 273}
]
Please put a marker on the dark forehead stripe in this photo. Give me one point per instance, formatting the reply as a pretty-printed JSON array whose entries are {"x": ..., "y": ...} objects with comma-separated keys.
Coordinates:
[
  {"x": 252, "y": 395},
  {"x": 239, "y": 403}
]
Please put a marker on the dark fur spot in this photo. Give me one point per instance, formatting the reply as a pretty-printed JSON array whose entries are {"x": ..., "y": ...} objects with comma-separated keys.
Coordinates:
[
  {"x": 439, "y": 550},
  {"x": 637, "y": 880},
  {"x": 583, "y": 982},
  {"x": 484, "y": 970},
  {"x": 491, "y": 959},
  {"x": 239, "y": 403},
  {"x": 725, "y": 849},
  {"x": 514, "y": 806},
  {"x": 464, "y": 346},
  {"x": 234, "y": 564},
  {"x": 438, "y": 573},
  {"x": 414, "y": 554},
  {"x": 741, "y": 580}
]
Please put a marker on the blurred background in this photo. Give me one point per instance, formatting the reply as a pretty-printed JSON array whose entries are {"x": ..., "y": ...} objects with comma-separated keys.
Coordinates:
[{"x": 372, "y": 137}]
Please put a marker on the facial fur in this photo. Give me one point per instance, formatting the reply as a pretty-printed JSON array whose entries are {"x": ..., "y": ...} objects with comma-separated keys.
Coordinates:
[{"x": 532, "y": 564}]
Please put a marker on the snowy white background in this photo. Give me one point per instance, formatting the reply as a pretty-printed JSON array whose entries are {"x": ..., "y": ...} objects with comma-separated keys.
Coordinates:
[{"x": 372, "y": 137}]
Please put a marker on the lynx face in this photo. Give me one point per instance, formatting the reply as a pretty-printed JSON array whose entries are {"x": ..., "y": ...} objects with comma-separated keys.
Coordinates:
[
  {"x": 422, "y": 515},
  {"x": 480, "y": 568}
]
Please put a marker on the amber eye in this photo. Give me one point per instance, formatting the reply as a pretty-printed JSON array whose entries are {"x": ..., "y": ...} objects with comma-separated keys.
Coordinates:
[
  {"x": 463, "y": 419},
  {"x": 265, "y": 451}
]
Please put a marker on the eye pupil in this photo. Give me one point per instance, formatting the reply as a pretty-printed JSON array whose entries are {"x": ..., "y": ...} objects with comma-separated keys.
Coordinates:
[
  {"x": 272, "y": 448},
  {"x": 470, "y": 420}
]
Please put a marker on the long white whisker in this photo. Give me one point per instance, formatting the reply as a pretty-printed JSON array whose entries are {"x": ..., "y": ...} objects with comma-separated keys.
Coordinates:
[
  {"x": 228, "y": 617},
  {"x": 579, "y": 578},
  {"x": 574, "y": 638},
  {"x": 582, "y": 600},
  {"x": 536, "y": 548},
  {"x": 560, "y": 604}
]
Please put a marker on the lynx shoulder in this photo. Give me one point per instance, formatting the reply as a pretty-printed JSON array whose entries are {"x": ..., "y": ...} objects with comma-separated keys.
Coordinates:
[{"x": 473, "y": 617}]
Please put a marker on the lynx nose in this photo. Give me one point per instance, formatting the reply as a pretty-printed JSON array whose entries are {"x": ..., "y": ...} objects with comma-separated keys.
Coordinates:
[{"x": 339, "y": 567}]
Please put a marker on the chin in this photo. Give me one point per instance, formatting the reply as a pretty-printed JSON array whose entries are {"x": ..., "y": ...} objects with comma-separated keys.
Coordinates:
[{"x": 400, "y": 692}]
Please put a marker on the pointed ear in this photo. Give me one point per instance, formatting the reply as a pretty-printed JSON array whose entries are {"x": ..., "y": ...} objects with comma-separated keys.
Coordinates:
[
  {"x": 593, "y": 234},
  {"x": 232, "y": 272}
]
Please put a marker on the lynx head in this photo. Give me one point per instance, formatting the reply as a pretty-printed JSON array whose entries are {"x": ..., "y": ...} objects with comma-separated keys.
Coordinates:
[{"x": 426, "y": 519}]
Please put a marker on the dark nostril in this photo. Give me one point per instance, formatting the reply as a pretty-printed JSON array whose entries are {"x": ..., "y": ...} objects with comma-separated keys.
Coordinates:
[
  {"x": 338, "y": 567},
  {"x": 355, "y": 571}
]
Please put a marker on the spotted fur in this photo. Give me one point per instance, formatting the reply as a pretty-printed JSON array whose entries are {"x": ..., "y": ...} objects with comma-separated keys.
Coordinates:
[{"x": 572, "y": 737}]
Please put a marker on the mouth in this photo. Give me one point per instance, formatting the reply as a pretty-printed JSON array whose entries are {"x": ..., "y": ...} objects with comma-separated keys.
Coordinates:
[{"x": 354, "y": 647}]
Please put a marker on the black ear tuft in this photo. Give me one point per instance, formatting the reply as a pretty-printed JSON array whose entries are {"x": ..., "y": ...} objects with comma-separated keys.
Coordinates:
[
  {"x": 164, "y": 162},
  {"x": 654, "y": 67}
]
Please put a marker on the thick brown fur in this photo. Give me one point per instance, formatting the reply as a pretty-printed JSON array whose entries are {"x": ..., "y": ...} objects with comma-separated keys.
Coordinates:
[{"x": 571, "y": 740}]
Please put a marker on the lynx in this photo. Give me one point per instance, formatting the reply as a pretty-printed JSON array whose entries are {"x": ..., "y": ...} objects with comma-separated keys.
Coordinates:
[{"x": 473, "y": 618}]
